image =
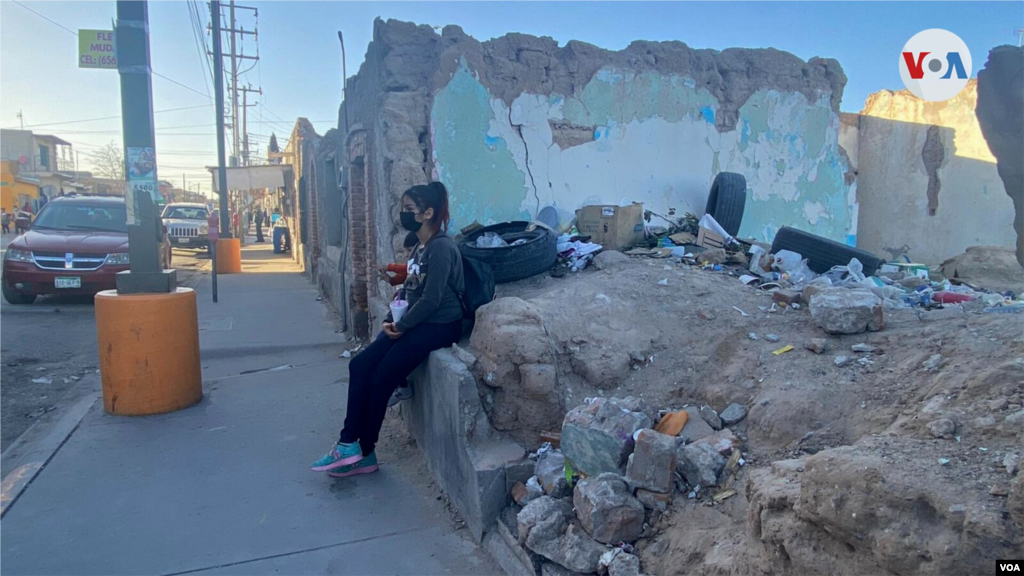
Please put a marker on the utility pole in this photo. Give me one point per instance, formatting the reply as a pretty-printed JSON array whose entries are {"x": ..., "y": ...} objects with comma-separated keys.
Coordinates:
[
  {"x": 131, "y": 35},
  {"x": 245, "y": 127},
  {"x": 218, "y": 84},
  {"x": 22, "y": 118},
  {"x": 234, "y": 89}
]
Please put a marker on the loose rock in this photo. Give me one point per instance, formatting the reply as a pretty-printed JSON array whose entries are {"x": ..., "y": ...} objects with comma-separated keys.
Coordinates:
[
  {"x": 653, "y": 462},
  {"x": 610, "y": 259},
  {"x": 699, "y": 464},
  {"x": 574, "y": 550},
  {"x": 771, "y": 337},
  {"x": 733, "y": 414},
  {"x": 843, "y": 361},
  {"x": 711, "y": 417},
  {"x": 624, "y": 565},
  {"x": 548, "y": 515},
  {"x": 696, "y": 428},
  {"x": 933, "y": 362},
  {"x": 864, "y": 348},
  {"x": 787, "y": 297},
  {"x": 607, "y": 510},
  {"x": 598, "y": 437},
  {"x": 1012, "y": 463},
  {"x": 942, "y": 428},
  {"x": 846, "y": 311},
  {"x": 550, "y": 473},
  {"x": 723, "y": 441},
  {"x": 818, "y": 345},
  {"x": 653, "y": 500}
]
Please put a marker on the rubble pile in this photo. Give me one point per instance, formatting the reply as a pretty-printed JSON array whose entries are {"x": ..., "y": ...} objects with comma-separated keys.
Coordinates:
[{"x": 613, "y": 478}]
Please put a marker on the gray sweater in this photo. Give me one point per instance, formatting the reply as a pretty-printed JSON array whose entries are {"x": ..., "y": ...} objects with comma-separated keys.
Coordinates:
[{"x": 434, "y": 284}]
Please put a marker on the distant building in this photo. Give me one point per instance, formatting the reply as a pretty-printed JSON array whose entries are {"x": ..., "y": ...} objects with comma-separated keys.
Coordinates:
[
  {"x": 46, "y": 158},
  {"x": 16, "y": 190}
]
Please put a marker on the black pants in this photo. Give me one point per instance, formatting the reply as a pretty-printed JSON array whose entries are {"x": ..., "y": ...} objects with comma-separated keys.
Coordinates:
[
  {"x": 376, "y": 372},
  {"x": 259, "y": 232}
]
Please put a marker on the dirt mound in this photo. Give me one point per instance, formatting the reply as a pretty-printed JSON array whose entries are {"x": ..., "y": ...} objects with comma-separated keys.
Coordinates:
[{"x": 675, "y": 336}]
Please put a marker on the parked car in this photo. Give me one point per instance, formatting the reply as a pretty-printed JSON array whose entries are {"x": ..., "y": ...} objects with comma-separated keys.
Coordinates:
[
  {"x": 76, "y": 246},
  {"x": 187, "y": 225}
]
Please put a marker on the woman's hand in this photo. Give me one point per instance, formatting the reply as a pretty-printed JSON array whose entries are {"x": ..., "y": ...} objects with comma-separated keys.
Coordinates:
[
  {"x": 391, "y": 331},
  {"x": 384, "y": 275}
]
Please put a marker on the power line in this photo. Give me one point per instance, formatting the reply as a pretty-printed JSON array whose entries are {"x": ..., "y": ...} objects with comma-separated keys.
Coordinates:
[
  {"x": 118, "y": 117},
  {"x": 69, "y": 30}
]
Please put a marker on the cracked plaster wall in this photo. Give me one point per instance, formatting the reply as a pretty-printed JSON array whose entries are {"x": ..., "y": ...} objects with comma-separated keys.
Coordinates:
[
  {"x": 927, "y": 182},
  {"x": 518, "y": 123}
]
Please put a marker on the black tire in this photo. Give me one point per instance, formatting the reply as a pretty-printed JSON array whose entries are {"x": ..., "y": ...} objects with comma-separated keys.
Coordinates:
[
  {"x": 821, "y": 253},
  {"x": 512, "y": 263},
  {"x": 727, "y": 199},
  {"x": 17, "y": 298}
]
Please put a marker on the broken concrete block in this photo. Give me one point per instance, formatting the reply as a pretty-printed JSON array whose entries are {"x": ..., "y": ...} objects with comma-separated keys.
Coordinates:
[
  {"x": 818, "y": 345},
  {"x": 598, "y": 437},
  {"x": 699, "y": 464},
  {"x": 550, "y": 471},
  {"x": 547, "y": 514},
  {"x": 711, "y": 417},
  {"x": 653, "y": 461},
  {"x": 723, "y": 441},
  {"x": 787, "y": 297},
  {"x": 733, "y": 414},
  {"x": 847, "y": 311},
  {"x": 653, "y": 500},
  {"x": 809, "y": 291},
  {"x": 696, "y": 428},
  {"x": 942, "y": 428},
  {"x": 624, "y": 565},
  {"x": 607, "y": 510},
  {"x": 575, "y": 550}
]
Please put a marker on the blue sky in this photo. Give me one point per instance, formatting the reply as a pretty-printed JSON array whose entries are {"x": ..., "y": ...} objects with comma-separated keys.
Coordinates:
[{"x": 300, "y": 69}]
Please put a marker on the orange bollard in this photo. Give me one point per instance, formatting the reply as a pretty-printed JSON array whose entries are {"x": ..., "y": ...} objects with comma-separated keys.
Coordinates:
[
  {"x": 149, "y": 351},
  {"x": 229, "y": 256}
]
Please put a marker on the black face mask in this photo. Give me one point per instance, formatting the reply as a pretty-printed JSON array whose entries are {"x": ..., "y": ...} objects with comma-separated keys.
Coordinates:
[{"x": 409, "y": 222}]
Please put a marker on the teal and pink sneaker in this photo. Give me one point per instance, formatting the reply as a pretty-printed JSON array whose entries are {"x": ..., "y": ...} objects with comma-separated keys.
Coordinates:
[
  {"x": 341, "y": 455},
  {"x": 364, "y": 466}
]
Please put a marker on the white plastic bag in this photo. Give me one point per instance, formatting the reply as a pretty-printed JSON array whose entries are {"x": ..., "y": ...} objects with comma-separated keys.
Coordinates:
[
  {"x": 709, "y": 222},
  {"x": 801, "y": 274},
  {"x": 786, "y": 260},
  {"x": 490, "y": 240}
]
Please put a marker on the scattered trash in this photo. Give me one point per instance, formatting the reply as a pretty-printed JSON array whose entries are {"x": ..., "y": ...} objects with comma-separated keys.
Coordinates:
[
  {"x": 748, "y": 279},
  {"x": 744, "y": 314},
  {"x": 663, "y": 282},
  {"x": 795, "y": 306},
  {"x": 864, "y": 348},
  {"x": 782, "y": 350},
  {"x": 43, "y": 380},
  {"x": 346, "y": 354},
  {"x": 724, "y": 495},
  {"x": 771, "y": 337},
  {"x": 943, "y": 461},
  {"x": 865, "y": 361},
  {"x": 490, "y": 240},
  {"x": 752, "y": 335}
]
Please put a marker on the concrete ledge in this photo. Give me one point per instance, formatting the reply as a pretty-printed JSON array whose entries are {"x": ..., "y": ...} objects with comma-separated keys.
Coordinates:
[{"x": 466, "y": 456}]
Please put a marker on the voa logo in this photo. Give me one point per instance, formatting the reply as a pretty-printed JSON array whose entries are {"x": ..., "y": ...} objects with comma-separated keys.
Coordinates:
[{"x": 935, "y": 65}]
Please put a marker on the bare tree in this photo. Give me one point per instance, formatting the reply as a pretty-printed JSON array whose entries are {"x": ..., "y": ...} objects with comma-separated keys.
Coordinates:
[{"x": 109, "y": 161}]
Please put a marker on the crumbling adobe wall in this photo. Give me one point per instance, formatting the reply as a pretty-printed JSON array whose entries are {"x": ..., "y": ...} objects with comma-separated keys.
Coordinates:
[
  {"x": 1000, "y": 113},
  {"x": 519, "y": 123},
  {"x": 927, "y": 184}
]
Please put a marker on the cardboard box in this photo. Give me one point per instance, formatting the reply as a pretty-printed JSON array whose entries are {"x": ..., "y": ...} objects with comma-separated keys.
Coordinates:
[
  {"x": 709, "y": 239},
  {"x": 613, "y": 227}
]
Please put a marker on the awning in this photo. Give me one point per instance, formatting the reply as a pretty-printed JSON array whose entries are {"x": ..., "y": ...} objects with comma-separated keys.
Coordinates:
[{"x": 252, "y": 177}]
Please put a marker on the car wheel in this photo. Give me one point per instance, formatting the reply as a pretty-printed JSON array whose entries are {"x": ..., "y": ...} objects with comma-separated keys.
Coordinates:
[
  {"x": 727, "y": 199},
  {"x": 510, "y": 263},
  {"x": 14, "y": 297}
]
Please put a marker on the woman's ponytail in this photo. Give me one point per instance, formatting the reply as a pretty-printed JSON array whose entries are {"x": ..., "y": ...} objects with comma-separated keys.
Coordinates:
[{"x": 433, "y": 195}]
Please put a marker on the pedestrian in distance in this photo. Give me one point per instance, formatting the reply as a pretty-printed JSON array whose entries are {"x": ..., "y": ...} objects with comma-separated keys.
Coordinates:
[
  {"x": 5, "y": 220},
  {"x": 259, "y": 226},
  {"x": 434, "y": 290}
]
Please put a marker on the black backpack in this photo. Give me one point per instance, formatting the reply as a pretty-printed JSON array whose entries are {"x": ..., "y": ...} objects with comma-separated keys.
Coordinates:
[{"x": 479, "y": 281}]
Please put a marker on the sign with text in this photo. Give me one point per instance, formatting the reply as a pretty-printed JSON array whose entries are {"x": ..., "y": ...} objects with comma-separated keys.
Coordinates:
[
  {"x": 137, "y": 188},
  {"x": 96, "y": 49}
]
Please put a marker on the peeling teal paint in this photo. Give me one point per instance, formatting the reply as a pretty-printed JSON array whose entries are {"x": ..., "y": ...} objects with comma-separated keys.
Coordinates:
[
  {"x": 483, "y": 181},
  {"x": 709, "y": 114},
  {"x": 621, "y": 98}
]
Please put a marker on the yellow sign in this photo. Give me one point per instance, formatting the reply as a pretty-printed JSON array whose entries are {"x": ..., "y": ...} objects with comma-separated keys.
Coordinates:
[{"x": 96, "y": 49}]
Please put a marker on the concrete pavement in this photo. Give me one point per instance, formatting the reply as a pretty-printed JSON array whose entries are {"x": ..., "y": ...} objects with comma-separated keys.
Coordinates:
[{"x": 223, "y": 487}]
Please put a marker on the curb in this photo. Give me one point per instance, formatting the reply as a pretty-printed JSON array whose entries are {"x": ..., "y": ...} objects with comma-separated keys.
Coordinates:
[{"x": 33, "y": 450}]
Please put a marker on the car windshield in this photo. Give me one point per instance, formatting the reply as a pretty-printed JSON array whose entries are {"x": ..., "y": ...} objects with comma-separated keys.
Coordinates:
[
  {"x": 63, "y": 216},
  {"x": 185, "y": 213}
]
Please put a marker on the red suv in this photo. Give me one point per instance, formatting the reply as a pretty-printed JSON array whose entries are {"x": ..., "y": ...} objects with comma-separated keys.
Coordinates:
[{"x": 76, "y": 246}]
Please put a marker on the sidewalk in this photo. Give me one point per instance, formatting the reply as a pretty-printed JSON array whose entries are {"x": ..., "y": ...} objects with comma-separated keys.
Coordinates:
[{"x": 223, "y": 487}]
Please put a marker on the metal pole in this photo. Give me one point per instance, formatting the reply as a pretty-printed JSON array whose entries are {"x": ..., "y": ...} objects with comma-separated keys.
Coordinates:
[
  {"x": 131, "y": 36},
  {"x": 234, "y": 90},
  {"x": 218, "y": 84}
]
